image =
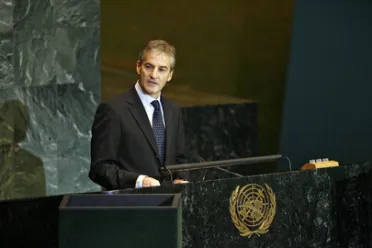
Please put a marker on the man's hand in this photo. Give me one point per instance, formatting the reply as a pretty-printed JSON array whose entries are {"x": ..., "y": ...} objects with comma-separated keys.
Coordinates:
[
  {"x": 179, "y": 181},
  {"x": 150, "y": 182}
]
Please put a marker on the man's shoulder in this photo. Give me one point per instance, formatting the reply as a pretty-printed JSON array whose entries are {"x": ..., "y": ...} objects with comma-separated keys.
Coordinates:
[{"x": 119, "y": 100}]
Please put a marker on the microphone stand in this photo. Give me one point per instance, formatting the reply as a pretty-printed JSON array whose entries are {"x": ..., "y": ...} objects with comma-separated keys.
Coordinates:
[
  {"x": 224, "y": 170},
  {"x": 199, "y": 159},
  {"x": 223, "y": 163}
]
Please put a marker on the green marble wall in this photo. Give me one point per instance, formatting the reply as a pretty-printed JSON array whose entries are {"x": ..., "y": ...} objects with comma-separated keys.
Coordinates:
[
  {"x": 49, "y": 90},
  {"x": 228, "y": 52}
]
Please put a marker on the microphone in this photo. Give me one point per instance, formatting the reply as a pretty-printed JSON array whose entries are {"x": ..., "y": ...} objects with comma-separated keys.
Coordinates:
[
  {"x": 289, "y": 162},
  {"x": 230, "y": 172},
  {"x": 223, "y": 163},
  {"x": 199, "y": 159},
  {"x": 170, "y": 173}
]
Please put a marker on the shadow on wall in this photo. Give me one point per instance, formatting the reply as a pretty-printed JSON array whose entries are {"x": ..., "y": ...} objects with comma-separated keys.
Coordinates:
[{"x": 21, "y": 173}]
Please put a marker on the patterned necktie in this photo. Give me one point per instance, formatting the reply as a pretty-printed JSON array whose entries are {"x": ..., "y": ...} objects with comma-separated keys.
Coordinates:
[{"x": 158, "y": 129}]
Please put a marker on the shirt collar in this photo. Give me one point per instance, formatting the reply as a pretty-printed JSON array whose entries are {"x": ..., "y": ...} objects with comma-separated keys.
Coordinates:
[{"x": 145, "y": 98}]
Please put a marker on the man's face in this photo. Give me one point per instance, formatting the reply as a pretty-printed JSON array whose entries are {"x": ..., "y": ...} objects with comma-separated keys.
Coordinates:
[{"x": 154, "y": 72}]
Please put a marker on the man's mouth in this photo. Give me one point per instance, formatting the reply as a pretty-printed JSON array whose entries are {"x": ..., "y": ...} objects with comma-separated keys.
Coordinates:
[{"x": 153, "y": 83}]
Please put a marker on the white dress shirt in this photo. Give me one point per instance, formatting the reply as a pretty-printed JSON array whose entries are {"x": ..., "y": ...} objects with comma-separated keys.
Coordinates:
[{"x": 149, "y": 108}]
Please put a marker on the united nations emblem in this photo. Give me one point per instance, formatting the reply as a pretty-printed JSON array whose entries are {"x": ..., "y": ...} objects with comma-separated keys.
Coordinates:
[{"x": 252, "y": 209}]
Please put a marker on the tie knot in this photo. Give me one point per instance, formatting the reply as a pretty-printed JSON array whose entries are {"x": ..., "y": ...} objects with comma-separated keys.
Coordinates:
[{"x": 156, "y": 104}]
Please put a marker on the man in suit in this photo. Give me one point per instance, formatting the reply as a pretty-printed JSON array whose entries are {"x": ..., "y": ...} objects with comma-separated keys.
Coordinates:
[{"x": 137, "y": 132}]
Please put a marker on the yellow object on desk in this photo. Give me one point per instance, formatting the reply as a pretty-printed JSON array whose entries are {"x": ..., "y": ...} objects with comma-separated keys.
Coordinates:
[{"x": 319, "y": 164}]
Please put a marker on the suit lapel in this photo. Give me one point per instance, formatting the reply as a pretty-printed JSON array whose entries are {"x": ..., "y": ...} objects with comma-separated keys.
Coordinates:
[
  {"x": 137, "y": 110},
  {"x": 168, "y": 126}
]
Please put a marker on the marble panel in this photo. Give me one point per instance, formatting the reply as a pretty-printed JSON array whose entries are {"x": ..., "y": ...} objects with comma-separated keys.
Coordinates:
[
  {"x": 6, "y": 44},
  {"x": 57, "y": 56},
  {"x": 6, "y": 16},
  {"x": 218, "y": 132},
  {"x": 29, "y": 147},
  {"x": 75, "y": 111},
  {"x": 77, "y": 14},
  {"x": 33, "y": 14}
]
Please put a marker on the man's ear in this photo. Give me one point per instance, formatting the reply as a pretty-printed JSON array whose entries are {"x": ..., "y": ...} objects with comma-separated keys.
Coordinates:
[
  {"x": 170, "y": 76},
  {"x": 138, "y": 67}
]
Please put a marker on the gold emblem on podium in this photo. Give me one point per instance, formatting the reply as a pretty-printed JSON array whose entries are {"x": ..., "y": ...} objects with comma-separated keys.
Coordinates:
[{"x": 252, "y": 209}]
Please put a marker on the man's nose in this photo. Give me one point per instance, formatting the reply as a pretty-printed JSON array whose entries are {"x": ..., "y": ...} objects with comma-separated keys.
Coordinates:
[{"x": 154, "y": 73}]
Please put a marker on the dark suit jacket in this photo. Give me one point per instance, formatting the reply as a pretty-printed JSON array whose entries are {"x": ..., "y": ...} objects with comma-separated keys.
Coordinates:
[{"x": 123, "y": 145}]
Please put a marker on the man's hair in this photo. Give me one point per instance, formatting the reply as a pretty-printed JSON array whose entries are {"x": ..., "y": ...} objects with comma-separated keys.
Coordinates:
[{"x": 161, "y": 46}]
